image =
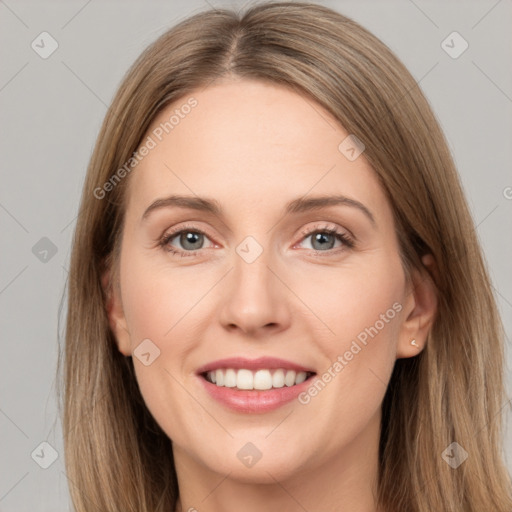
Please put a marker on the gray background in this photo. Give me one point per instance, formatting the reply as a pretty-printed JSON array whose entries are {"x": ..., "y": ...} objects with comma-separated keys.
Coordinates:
[{"x": 51, "y": 112}]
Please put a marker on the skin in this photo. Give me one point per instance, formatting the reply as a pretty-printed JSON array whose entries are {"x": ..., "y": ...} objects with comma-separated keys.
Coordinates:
[{"x": 253, "y": 147}]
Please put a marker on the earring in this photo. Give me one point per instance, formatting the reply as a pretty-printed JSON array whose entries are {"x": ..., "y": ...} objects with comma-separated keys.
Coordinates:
[{"x": 415, "y": 343}]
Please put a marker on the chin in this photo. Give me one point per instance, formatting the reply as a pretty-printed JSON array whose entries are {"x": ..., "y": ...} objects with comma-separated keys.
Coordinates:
[{"x": 244, "y": 462}]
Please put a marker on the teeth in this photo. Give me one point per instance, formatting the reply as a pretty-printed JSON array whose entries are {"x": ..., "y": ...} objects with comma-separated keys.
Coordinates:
[
  {"x": 262, "y": 380},
  {"x": 259, "y": 380},
  {"x": 278, "y": 379},
  {"x": 229, "y": 378},
  {"x": 301, "y": 377},
  {"x": 244, "y": 379},
  {"x": 289, "y": 378}
]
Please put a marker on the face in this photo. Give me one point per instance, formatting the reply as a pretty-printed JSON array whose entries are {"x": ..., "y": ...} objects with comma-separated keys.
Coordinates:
[{"x": 320, "y": 292}]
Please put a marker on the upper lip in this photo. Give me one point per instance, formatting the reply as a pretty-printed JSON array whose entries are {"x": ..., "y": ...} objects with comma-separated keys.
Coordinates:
[{"x": 260, "y": 363}]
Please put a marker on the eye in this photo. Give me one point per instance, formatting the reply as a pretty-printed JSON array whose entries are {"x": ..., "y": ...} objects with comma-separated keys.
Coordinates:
[
  {"x": 323, "y": 239},
  {"x": 190, "y": 239}
]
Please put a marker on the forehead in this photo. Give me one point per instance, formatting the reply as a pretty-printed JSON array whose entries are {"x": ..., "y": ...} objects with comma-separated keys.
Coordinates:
[{"x": 249, "y": 143}]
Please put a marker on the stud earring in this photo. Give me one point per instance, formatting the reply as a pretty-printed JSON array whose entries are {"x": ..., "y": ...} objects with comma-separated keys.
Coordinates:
[{"x": 415, "y": 343}]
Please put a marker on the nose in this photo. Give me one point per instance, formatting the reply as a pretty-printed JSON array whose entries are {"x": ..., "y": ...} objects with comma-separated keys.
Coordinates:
[{"x": 255, "y": 299}]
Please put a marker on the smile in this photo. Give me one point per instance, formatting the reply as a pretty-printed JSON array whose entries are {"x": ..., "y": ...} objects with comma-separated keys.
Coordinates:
[
  {"x": 254, "y": 386},
  {"x": 245, "y": 379}
]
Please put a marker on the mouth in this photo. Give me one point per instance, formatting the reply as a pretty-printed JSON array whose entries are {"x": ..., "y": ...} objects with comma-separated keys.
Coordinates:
[
  {"x": 260, "y": 380},
  {"x": 254, "y": 386}
]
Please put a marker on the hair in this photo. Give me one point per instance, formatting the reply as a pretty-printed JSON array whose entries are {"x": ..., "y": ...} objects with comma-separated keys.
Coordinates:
[{"x": 117, "y": 457}]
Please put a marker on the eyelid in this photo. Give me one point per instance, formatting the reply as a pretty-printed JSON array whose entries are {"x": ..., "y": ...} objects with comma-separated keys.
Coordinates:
[
  {"x": 328, "y": 226},
  {"x": 186, "y": 227}
]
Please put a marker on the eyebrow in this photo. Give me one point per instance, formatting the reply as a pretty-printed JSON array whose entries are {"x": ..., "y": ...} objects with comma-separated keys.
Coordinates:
[{"x": 298, "y": 205}]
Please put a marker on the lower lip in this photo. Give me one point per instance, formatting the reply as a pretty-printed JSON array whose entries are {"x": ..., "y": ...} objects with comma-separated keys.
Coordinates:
[{"x": 253, "y": 401}]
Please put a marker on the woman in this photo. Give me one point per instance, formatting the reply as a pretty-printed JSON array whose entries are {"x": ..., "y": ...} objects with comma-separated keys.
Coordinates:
[{"x": 277, "y": 299}]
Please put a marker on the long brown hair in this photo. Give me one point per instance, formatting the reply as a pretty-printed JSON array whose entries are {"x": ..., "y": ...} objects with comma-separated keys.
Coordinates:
[{"x": 117, "y": 458}]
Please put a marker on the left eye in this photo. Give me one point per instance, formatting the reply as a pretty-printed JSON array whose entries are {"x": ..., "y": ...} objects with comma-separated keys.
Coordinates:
[{"x": 325, "y": 240}]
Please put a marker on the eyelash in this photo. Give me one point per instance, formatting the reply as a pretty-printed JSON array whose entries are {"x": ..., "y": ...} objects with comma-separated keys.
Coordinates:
[{"x": 347, "y": 240}]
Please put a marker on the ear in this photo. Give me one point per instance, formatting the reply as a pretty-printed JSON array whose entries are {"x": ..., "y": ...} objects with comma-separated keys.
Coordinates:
[
  {"x": 115, "y": 313},
  {"x": 419, "y": 310}
]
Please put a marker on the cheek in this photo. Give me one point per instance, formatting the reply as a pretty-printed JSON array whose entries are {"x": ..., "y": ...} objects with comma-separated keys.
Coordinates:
[
  {"x": 159, "y": 305},
  {"x": 352, "y": 299},
  {"x": 158, "y": 299},
  {"x": 163, "y": 304},
  {"x": 362, "y": 307}
]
